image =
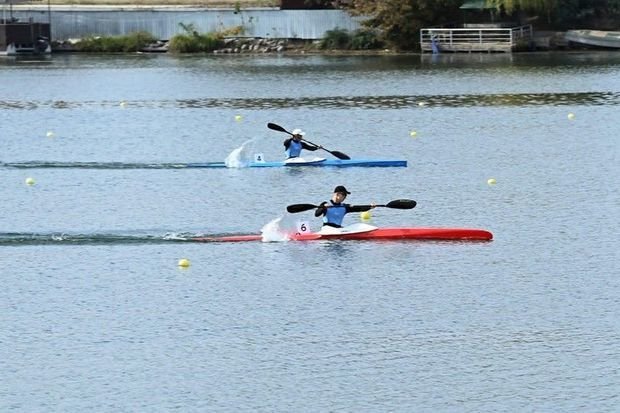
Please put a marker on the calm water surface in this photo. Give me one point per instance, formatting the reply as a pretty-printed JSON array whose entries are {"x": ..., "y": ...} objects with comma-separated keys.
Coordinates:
[{"x": 96, "y": 315}]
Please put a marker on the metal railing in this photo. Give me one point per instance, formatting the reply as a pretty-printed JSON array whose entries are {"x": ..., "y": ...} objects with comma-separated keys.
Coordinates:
[{"x": 473, "y": 39}]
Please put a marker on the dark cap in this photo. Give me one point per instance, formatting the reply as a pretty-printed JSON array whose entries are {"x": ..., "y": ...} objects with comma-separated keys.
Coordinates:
[{"x": 342, "y": 190}]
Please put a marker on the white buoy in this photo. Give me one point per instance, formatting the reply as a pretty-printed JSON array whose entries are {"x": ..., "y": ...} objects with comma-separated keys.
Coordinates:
[
  {"x": 30, "y": 181},
  {"x": 491, "y": 181},
  {"x": 49, "y": 134},
  {"x": 571, "y": 116},
  {"x": 413, "y": 134}
]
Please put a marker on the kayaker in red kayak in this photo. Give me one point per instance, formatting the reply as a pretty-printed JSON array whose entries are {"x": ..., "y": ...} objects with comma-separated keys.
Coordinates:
[
  {"x": 295, "y": 144},
  {"x": 333, "y": 212}
]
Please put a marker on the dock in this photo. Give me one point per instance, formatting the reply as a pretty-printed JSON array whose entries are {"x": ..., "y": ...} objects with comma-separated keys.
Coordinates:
[{"x": 475, "y": 38}]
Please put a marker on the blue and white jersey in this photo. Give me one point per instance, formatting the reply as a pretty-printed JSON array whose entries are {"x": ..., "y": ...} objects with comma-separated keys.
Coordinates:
[
  {"x": 334, "y": 215},
  {"x": 294, "y": 149}
]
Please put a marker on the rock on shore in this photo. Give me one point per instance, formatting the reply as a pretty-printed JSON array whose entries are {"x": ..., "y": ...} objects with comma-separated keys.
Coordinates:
[
  {"x": 239, "y": 45},
  {"x": 234, "y": 46}
]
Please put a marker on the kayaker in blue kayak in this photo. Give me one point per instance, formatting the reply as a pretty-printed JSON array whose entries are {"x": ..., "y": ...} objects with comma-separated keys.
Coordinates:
[
  {"x": 296, "y": 143},
  {"x": 333, "y": 212}
]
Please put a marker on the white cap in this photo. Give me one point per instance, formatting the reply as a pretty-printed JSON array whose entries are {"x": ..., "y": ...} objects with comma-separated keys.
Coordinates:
[{"x": 298, "y": 132}]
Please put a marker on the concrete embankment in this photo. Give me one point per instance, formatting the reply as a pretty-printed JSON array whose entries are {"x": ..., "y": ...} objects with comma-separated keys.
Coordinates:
[
  {"x": 260, "y": 30},
  {"x": 74, "y": 22}
]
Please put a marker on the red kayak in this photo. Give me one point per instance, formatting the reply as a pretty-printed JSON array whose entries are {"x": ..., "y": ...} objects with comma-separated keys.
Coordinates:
[{"x": 371, "y": 234}]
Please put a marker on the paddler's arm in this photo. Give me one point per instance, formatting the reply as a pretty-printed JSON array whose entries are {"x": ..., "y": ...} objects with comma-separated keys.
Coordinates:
[
  {"x": 287, "y": 143},
  {"x": 309, "y": 147},
  {"x": 360, "y": 208},
  {"x": 321, "y": 210}
]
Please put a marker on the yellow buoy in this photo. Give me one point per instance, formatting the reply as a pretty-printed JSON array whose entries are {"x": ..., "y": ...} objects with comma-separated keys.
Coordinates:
[
  {"x": 365, "y": 215},
  {"x": 491, "y": 181},
  {"x": 571, "y": 116},
  {"x": 413, "y": 134},
  {"x": 50, "y": 134},
  {"x": 238, "y": 118},
  {"x": 183, "y": 263},
  {"x": 30, "y": 181}
]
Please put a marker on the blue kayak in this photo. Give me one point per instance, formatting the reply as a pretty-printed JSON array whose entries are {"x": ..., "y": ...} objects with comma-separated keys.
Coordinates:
[
  {"x": 178, "y": 165},
  {"x": 322, "y": 162}
]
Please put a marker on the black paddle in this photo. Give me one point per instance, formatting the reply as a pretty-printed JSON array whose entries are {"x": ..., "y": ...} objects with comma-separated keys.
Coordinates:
[
  {"x": 337, "y": 154},
  {"x": 396, "y": 204}
]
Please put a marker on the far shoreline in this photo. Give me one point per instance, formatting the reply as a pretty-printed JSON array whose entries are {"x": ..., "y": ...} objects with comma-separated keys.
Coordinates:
[{"x": 244, "y": 46}]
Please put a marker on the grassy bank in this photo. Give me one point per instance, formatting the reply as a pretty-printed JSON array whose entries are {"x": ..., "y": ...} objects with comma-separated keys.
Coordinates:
[{"x": 191, "y": 41}]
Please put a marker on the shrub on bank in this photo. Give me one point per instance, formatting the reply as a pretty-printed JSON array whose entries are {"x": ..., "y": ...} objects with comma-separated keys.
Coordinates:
[
  {"x": 184, "y": 43},
  {"x": 193, "y": 42},
  {"x": 132, "y": 42},
  {"x": 361, "y": 39},
  {"x": 364, "y": 39},
  {"x": 336, "y": 39}
]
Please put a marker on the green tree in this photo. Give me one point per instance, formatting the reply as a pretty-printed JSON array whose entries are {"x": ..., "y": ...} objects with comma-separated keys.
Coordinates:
[
  {"x": 400, "y": 21},
  {"x": 599, "y": 14},
  {"x": 544, "y": 7},
  {"x": 563, "y": 13}
]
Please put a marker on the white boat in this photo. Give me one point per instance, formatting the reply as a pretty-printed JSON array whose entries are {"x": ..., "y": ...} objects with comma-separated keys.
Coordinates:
[
  {"x": 597, "y": 38},
  {"x": 41, "y": 47}
]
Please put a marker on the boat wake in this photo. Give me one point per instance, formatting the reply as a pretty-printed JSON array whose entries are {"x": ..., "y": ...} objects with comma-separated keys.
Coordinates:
[
  {"x": 94, "y": 165},
  {"x": 238, "y": 158},
  {"x": 270, "y": 233},
  {"x": 68, "y": 238}
]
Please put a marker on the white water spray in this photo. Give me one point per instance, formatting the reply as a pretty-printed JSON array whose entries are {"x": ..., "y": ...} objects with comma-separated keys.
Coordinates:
[
  {"x": 272, "y": 232},
  {"x": 241, "y": 156}
]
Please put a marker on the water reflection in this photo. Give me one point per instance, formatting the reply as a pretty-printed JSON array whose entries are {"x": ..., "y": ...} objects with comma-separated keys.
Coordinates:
[
  {"x": 467, "y": 59},
  {"x": 340, "y": 253},
  {"x": 340, "y": 102}
]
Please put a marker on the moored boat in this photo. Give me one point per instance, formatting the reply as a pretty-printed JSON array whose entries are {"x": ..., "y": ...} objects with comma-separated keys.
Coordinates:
[{"x": 596, "y": 38}]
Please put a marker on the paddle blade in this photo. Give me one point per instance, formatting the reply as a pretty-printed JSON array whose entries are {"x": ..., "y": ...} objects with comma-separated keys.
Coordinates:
[
  {"x": 401, "y": 204},
  {"x": 340, "y": 155},
  {"x": 300, "y": 208},
  {"x": 279, "y": 128}
]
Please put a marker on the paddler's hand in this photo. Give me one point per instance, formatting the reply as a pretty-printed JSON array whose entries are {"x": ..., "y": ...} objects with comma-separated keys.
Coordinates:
[
  {"x": 321, "y": 209},
  {"x": 373, "y": 205}
]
